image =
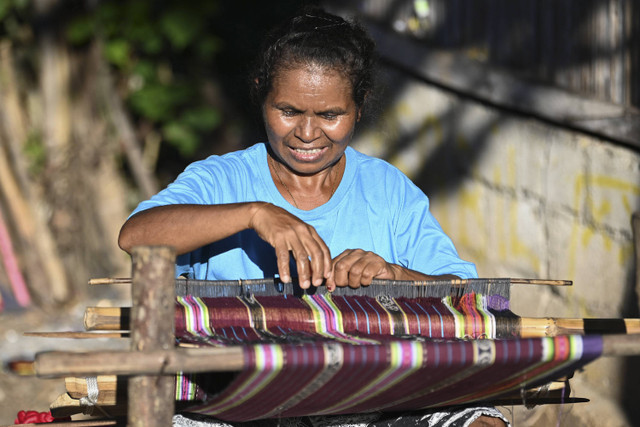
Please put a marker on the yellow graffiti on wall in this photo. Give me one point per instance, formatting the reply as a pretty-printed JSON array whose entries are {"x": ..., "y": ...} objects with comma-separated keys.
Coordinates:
[
  {"x": 510, "y": 244},
  {"x": 597, "y": 212}
]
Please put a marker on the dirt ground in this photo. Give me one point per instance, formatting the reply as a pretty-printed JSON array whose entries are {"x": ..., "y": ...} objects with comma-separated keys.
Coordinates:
[{"x": 31, "y": 393}]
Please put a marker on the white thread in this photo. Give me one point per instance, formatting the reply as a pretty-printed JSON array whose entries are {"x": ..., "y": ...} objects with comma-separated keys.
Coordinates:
[{"x": 91, "y": 399}]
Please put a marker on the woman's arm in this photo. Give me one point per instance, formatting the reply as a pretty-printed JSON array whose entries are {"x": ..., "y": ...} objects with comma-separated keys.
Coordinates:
[
  {"x": 188, "y": 227},
  {"x": 185, "y": 227}
]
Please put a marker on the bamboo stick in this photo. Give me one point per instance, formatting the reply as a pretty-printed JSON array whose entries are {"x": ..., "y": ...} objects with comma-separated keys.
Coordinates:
[
  {"x": 531, "y": 327},
  {"x": 107, "y": 318},
  {"x": 110, "y": 319}
]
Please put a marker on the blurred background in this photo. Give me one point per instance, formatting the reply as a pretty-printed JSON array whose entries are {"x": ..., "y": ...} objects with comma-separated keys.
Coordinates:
[{"x": 519, "y": 119}]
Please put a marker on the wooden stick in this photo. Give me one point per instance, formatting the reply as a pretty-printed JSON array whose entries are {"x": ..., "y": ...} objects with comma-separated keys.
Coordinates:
[
  {"x": 159, "y": 362},
  {"x": 542, "y": 282},
  {"x": 224, "y": 359},
  {"x": 621, "y": 345},
  {"x": 79, "y": 334},
  {"x": 457, "y": 282},
  {"x": 531, "y": 327},
  {"x": 152, "y": 398},
  {"x": 108, "y": 385},
  {"x": 111, "y": 318},
  {"x": 110, "y": 281}
]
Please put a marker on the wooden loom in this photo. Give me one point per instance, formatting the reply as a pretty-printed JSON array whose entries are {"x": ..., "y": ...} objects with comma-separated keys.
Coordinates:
[{"x": 147, "y": 370}]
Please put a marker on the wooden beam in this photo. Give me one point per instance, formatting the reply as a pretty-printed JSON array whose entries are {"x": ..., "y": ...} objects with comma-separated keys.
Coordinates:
[
  {"x": 454, "y": 282},
  {"x": 621, "y": 345},
  {"x": 223, "y": 359},
  {"x": 158, "y": 362},
  {"x": 79, "y": 334},
  {"x": 152, "y": 398},
  {"x": 106, "y": 319},
  {"x": 531, "y": 327},
  {"x": 77, "y": 388}
]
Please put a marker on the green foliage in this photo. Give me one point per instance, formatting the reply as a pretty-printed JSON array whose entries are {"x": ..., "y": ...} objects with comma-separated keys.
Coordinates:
[
  {"x": 118, "y": 52},
  {"x": 80, "y": 30},
  {"x": 161, "y": 103},
  {"x": 181, "y": 136},
  {"x": 5, "y": 6},
  {"x": 163, "y": 51},
  {"x": 166, "y": 56},
  {"x": 181, "y": 27},
  {"x": 204, "y": 119},
  {"x": 12, "y": 14}
]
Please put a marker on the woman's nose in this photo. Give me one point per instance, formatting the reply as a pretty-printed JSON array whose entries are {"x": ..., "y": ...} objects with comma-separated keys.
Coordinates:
[{"x": 307, "y": 129}]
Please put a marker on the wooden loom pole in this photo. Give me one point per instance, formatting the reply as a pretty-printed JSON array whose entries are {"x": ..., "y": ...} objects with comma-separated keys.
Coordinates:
[
  {"x": 223, "y": 359},
  {"x": 151, "y": 398},
  {"x": 454, "y": 282},
  {"x": 112, "y": 319},
  {"x": 158, "y": 362},
  {"x": 77, "y": 388}
]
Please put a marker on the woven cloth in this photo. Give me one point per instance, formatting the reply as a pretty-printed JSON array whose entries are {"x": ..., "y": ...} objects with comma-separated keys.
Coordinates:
[
  {"x": 324, "y": 356},
  {"x": 356, "y": 319}
]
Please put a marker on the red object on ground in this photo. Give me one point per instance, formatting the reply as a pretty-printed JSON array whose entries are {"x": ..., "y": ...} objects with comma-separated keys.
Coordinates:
[{"x": 26, "y": 417}]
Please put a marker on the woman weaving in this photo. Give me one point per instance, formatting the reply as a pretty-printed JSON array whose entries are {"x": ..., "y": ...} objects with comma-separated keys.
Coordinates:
[{"x": 303, "y": 204}]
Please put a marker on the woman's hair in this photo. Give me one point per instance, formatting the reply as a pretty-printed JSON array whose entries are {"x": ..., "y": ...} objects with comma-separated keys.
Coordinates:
[{"x": 318, "y": 38}]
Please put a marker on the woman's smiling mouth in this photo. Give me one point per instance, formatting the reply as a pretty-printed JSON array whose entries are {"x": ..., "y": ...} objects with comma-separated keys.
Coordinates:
[{"x": 307, "y": 154}]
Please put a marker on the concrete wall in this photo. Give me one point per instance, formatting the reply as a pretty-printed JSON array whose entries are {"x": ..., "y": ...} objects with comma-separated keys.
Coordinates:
[{"x": 523, "y": 198}]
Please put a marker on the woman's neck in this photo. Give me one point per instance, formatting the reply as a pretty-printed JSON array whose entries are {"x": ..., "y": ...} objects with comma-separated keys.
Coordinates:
[{"x": 306, "y": 192}]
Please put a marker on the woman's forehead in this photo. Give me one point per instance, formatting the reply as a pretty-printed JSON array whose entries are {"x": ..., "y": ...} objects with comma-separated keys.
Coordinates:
[{"x": 310, "y": 79}]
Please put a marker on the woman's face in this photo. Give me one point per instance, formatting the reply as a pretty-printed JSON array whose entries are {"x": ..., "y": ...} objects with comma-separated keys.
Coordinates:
[{"x": 309, "y": 117}]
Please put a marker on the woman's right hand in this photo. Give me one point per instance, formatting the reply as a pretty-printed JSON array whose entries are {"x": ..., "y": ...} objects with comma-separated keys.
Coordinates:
[{"x": 289, "y": 234}]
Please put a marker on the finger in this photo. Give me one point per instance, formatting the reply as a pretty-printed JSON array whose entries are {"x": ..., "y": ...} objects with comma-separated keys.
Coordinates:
[
  {"x": 370, "y": 270},
  {"x": 320, "y": 259},
  {"x": 330, "y": 283},
  {"x": 282, "y": 255},
  {"x": 370, "y": 266},
  {"x": 303, "y": 266},
  {"x": 341, "y": 267}
]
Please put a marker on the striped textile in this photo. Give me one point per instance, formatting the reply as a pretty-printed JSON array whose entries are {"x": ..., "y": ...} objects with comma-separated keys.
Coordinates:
[
  {"x": 354, "y": 319},
  {"x": 288, "y": 380},
  {"x": 326, "y": 355}
]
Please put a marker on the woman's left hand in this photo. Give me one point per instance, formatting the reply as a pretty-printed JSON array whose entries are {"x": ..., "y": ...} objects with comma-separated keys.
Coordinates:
[{"x": 356, "y": 267}]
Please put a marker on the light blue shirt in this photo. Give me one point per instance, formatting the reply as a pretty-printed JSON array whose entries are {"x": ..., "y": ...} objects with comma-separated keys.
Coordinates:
[{"x": 375, "y": 208}]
